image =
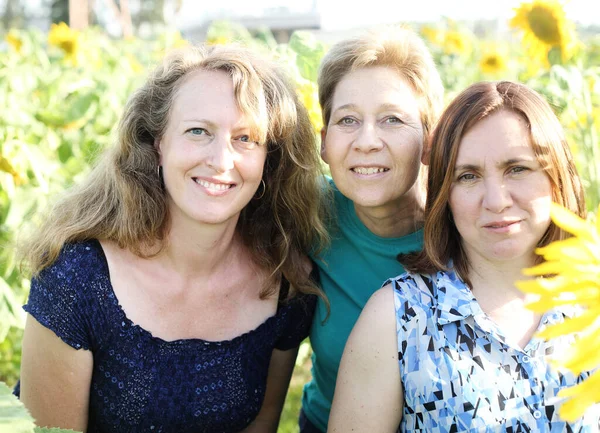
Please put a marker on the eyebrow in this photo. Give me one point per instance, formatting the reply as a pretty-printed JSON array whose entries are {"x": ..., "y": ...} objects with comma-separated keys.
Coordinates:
[
  {"x": 502, "y": 164},
  {"x": 383, "y": 107},
  {"x": 205, "y": 121},
  {"x": 213, "y": 125}
]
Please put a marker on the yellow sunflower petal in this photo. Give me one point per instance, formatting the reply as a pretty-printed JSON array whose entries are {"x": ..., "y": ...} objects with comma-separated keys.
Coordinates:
[
  {"x": 572, "y": 248},
  {"x": 569, "y": 326},
  {"x": 582, "y": 397},
  {"x": 572, "y": 223},
  {"x": 564, "y": 267}
]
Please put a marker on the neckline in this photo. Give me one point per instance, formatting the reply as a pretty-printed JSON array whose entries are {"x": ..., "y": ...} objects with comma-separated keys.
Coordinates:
[
  {"x": 128, "y": 323},
  {"x": 350, "y": 211}
]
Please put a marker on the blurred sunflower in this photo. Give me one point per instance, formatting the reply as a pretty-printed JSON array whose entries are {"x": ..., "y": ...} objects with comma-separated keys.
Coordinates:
[
  {"x": 217, "y": 40},
  {"x": 432, "y": 34},
  {"x": 307, "y": 92},
  {"x": 545, "y": 26},
  {"x": 570, "y": 275},
  {"x": 14, "y": 40},
  {"x": 456, "y": 42},
  {"x": 7, "y": 167},
  {"x": 493, "y": 61},
  {"x": 65, "y": 38}
]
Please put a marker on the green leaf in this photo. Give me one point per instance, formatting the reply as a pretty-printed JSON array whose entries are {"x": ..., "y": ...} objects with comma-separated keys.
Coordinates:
[
  {"x": 80, "y": 106},
  {"x": 14, "y": 418}
]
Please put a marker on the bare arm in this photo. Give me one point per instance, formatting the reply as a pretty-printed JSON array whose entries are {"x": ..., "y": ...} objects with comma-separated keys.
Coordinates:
[
  {"x": 278, "y": 380},
  {"x": 368, "y": 393},
  {"x": 55, "y": 379}
]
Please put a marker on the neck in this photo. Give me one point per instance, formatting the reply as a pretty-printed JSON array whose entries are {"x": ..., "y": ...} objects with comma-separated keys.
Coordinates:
[
  {"x": 197, "y": 250},
  {"x": 396, "y": 219},
  {"x": 493, "y": 284}
]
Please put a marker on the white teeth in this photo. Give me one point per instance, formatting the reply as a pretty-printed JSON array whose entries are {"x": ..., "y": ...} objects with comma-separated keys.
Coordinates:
[
  {"x": 210, "y": 185},
  {"x": 369, "y": 170}
]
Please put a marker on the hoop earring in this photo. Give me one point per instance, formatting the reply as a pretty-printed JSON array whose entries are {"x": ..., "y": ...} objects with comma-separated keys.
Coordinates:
[{"x": 264, "y": 185}]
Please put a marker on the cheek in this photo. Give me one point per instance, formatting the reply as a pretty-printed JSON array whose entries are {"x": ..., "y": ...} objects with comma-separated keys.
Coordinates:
[
  {"x": 540, "y": 209},
  {"x": 463, "y": 207}
]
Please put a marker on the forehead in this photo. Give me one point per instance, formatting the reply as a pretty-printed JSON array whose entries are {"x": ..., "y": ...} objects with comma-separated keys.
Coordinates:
[
  {"x": 204, "y": 86},
  {"x": 501, "y": 135},
  {"x": 208, "y": 95},
  {"x": 374, "y": 86}
]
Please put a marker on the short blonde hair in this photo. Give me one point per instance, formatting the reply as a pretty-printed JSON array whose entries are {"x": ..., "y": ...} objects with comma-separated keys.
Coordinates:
[{"x": 396, "y": 47}]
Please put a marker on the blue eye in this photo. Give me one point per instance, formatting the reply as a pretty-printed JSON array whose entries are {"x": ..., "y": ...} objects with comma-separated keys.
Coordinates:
[
  {"x": 197, "y": 131},
  {"x": 246, "y": 141}
]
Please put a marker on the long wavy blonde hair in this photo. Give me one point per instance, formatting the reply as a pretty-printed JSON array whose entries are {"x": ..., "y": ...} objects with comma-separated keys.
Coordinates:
[{"x": 123, "y": 199}]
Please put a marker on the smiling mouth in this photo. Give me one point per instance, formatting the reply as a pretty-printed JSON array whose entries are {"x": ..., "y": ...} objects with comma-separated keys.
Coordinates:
[
  {"x": 214, "y": 186},
  {"x": 369, "y": 170}
]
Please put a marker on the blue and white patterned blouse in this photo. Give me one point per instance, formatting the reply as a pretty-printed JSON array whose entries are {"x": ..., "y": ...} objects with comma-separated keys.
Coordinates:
[{"x": 461, "y": 375}]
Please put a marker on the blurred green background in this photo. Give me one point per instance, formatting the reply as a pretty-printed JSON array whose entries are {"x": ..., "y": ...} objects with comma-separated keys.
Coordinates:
[{"x": 63, "y": 90}]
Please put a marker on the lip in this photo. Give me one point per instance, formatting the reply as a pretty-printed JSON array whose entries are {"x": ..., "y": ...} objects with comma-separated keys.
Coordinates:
[
  {"x": 214, "y": 187},
  {"x": 503, "y": 226}
]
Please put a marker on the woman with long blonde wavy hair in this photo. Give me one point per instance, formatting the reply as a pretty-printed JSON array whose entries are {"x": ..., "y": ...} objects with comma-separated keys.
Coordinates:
[{"x": 171, "y": 289}]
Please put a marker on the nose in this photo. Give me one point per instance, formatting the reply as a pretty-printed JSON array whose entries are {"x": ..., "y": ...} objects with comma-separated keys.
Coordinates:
[
  {"x": 497, "y": 195},
  {"x": 368, "y": 139},
  {"x": 221, "y": 158}
]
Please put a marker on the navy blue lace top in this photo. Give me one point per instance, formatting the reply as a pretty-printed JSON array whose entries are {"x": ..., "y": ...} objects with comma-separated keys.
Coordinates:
[{"x": 141, "y": 383}]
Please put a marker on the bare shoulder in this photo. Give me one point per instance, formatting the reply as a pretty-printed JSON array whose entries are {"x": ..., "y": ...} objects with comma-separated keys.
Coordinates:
[{"x": 380, "y": 305}]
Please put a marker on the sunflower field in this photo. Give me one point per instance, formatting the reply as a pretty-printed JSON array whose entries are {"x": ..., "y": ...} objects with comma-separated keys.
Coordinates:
[{"x": 61, "y": 95}]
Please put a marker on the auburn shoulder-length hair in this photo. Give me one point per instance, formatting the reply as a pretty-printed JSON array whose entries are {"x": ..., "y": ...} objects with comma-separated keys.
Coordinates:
[
  {"x": 124, "y": 200},
  {"x": 442, "y": 242}
]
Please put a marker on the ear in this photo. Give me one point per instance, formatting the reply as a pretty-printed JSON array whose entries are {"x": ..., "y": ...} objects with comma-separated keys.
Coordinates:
[
  {"x": 158, "y": 149},
  {"x": 323, "y": 149}
]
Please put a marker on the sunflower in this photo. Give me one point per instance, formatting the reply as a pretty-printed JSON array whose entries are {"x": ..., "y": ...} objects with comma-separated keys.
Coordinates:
[
  {"x": 65, "y": 38},
  {"x": 456, "y": 42},
  {"x": 432, "y": 34},
  {"x": 574, "y": 268},
  {"x": 493, "y": 61},
  {"x": 308, "y": 95},
  {"x": 14, "y": 40},
  {"x": 545, "y": 26}
]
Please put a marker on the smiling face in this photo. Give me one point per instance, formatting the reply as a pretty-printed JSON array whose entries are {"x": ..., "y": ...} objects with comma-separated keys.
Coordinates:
[
  {"x": 374, "y": 140},
  {"x": 211, "y": 163},
  {"x": 500, "y": 197}
]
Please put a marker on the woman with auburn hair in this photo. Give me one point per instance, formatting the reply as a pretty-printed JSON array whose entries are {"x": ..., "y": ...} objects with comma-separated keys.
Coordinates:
[
  {"x": 450, "y": 345},
  {"x": 380, "y": 94},
  {"x": 171, "y": 288}
]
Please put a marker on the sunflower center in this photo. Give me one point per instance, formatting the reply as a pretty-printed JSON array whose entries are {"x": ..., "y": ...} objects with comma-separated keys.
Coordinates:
[
  {"x": 68, "y": 46},
  {"x": 544, "y": 25},
  {"x": 491, "y": 61}
]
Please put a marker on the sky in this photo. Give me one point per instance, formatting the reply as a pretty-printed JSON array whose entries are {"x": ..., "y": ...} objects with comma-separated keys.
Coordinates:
[{"x": 340, "y": 14}]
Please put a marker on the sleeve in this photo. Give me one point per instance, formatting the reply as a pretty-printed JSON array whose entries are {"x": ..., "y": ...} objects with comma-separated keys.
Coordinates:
[
  {"x": 56, "y": 301},
  {"x": 297, "y": 321},
  {"x": 297, "y": 318}
]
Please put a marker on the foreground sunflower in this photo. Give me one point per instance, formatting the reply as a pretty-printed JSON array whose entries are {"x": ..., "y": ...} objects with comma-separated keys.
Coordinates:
[
  {"x": 574, "y": 268},
  {"x": 545, "y": 26}
]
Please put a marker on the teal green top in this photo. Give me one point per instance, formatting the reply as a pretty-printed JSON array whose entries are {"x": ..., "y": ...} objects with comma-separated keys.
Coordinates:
[{"x": 356, "y": 265}]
